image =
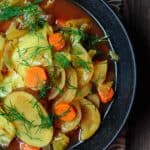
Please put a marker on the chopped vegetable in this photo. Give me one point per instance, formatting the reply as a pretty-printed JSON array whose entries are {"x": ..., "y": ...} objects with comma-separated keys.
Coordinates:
[
  {"x": 32, "y": 14},
  {"x": 32, "y": 123},
  {"x": 7, "y": 130},
  {"x": 89, "y": 125},
  {"x": 69, "y": 126},
  {"x": 94, "y": 98},
  {"x": 80, "y": 36},
  {"x": 68, "y": 94},
  {"x": 105, "y": 92},
  {"x": 13, "y": 32},
  {"x": 60, "y": 142},
  {"x": 35, "y": 77},
  {"x": 55, "y": 70},
  {"x": 24, "y": 146},
  {"x": 56, "y": 40},
  {"x": 65, "y": 111},
  {"x": 62, "y": 60},
  {"x": 113, "y": 55},
  {"x": 100, "y": 72},
  {"x": 57, "y": 81}
]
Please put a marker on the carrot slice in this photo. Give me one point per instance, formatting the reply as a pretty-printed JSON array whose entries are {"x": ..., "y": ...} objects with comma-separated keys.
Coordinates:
[
  {"x": 24, "y": 146},
  {"x": 105, "y": 93},
  {"x": 35, "y": 77},
  {"x": 65, "y": 112},
  {"x": 56, "y": 40}
]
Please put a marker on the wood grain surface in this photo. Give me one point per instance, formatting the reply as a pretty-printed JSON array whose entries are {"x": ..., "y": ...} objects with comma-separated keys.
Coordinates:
[{"x": 137, "y": 21}]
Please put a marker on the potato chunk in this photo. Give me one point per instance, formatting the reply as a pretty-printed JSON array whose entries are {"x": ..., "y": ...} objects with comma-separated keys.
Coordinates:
[
  {"x": 7, "y": 130},
  {"x": 60, "y": 142},
  {"x": 30, "y": 119},
  {"x": 91, "y": 119}
]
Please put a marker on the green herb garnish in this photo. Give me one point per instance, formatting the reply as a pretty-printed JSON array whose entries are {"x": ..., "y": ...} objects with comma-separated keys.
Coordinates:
[
  {"x": 62, "y": 60},
  {"x": 32, "y": 14},
  {"x": 113, "y": 55},
  {"x": 46, "y": 121},
  {"x": 82, "y": 63},
  {"x": 37, "y": 50},
  {"x": 43, "y": 91},
  {"x": 79, "y": 35},
  {"x": 13, "y": 114}
]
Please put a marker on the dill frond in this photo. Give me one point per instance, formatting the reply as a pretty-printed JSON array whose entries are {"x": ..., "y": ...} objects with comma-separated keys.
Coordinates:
[{"x": 62, "y": 60}]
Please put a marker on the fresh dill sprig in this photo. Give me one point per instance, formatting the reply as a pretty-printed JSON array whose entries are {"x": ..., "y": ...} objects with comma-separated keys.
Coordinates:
[
  {"x": 43, "y": 91},
  {"x": 32, "y": 15},
  {"x": 62, "y": 60},
  {"x": 37, "y": 50},
  {"x": 32, "y": 138},
  {"x": 46, "y": 121},
  {"x": 78, "y": 62},
  {"x": 7, "y": 12},
  {"x": 79, "y": 35},
  {"x": 13, "y": 114}
]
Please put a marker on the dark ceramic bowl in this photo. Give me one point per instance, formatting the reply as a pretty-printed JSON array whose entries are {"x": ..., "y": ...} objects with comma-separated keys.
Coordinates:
[{"x": 125, "y": 71}]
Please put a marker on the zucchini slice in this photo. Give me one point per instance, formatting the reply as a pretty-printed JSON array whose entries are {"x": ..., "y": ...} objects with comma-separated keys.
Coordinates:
[
  {"x": 7, "y": 130},
  {"x": 91, "y": 119},
  {"x": 30, "y": 119}
]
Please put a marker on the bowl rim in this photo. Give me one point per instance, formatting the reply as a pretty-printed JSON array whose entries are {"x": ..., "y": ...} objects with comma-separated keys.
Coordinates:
[
  {"x": 135, "y": 72},
  {"x": 132, "y": 97}
]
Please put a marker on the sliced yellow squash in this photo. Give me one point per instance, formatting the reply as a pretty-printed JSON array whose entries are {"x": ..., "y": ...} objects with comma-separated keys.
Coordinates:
[
  {"x": 60, "y": 83},
  {"x": 72, "y": 125},
  {"x": 32, "y": 50},
  {"x": 94, "y": 98},
  {"x": 100, "y": 72},
  {"x": 71, "y": 85},
  {"x": 90, "y": 121},
  {"x": 84, "y": 73},
  {"x": 60, "y": 142},
  {"x": 13, "y": 32},
  {"x": 7, "y": 130},
  {"x": 84, "y": 91},
  {"x": 9, "y": 83},
  {"x": 29, "y": 118}
]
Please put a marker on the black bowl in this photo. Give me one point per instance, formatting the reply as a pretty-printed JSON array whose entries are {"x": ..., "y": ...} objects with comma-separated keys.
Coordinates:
[{"x": 125, "y": 71}]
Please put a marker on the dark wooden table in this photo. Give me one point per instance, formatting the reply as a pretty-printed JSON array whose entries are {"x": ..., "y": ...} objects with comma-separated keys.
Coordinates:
[
  {"x": 135, "y": 15},
  {"x": 137, "y": 21}
]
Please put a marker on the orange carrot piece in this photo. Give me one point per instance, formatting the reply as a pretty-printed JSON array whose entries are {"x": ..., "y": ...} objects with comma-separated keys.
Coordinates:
[
  {"x": 105, "y": 93},
  {"x": 65, "y": 111},
  {"x": 56, "y": 40},
  {"x": 35, "y": 77},
  {"x": 24, "y": 146}
]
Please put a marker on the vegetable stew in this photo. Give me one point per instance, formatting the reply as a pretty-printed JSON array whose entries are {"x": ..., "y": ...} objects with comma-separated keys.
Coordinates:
[{"x": 56, "y": 74}]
